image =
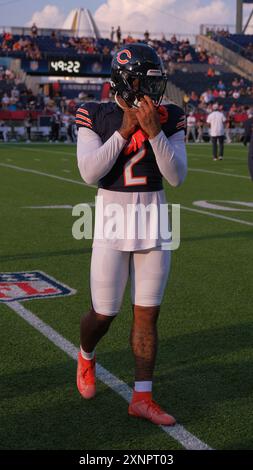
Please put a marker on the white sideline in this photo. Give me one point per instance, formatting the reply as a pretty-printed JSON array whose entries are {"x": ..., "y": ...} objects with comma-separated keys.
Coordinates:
[
  {"x": 68, "y": 180},
  {"x": 217, "y": 216},
  {"x": 200, "y": 170},
  {"x": 41, "y": 173},
  {"x": 190, "y": 155},
  {"x": 177, "y": 432}
]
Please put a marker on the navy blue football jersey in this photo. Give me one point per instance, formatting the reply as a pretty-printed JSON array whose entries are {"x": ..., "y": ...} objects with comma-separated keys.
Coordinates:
[{"x": 136, "y": 170}]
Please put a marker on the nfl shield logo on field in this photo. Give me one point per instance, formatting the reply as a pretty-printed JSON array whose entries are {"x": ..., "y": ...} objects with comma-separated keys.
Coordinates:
[{"x": 30, "y": 285}]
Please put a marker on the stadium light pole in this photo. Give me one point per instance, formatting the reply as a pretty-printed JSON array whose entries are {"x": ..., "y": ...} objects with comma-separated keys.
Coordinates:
[
  {"x": 239, "y": 16},
  {"x": 239, "y": 8},
  {"x": 248, "y": 21}
]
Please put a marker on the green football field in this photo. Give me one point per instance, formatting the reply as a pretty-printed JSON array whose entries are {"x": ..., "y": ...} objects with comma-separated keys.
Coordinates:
[{"x": 204, "y": 372}]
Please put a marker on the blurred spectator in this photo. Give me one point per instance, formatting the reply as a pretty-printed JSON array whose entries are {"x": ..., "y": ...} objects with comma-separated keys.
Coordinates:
[
  {"x": 216, "y": 120},
  {"x": 112, "y": 34},
  {"x": 229, "y": 125},
  {"x": 55, "y": 126},
  {"x": 118, "y": 34},
  {"x": 236, "y": 94},
  {"x": 186, "y": 100},
  {"x": 146, "y": 35},
  {"x": 3, "y": 131},
  {"x": 207, "y": 96},
  {"x": 191, "y": 127},
  {"x": 34, "y": 30},
  {"x": 71, "y": 131},
  {"x": 5, "y": 101},
  {"x": 236, "y": 82},
  {"x": 210, "y": 72},
  {"x": 28, "y": 127},
  {"x": 221, "y": 85},
  {"x": 200, "y": 129},
  {"x": 194, "y": 99},
  {"x": 248, "y": 127}
]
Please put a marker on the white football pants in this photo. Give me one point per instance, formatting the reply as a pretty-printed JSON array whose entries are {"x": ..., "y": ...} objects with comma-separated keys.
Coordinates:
[{"x": 110, "y": 270}]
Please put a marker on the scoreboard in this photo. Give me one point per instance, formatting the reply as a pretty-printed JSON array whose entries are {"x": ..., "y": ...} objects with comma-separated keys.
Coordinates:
[{"x": 93, "y": 65}]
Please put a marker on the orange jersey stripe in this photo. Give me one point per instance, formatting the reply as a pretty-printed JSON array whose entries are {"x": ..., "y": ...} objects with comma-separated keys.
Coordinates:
[
  {"x": 80, "y": 110},
  {"x": 84, "y": 117},
  {"x": 83, "y": 123}
]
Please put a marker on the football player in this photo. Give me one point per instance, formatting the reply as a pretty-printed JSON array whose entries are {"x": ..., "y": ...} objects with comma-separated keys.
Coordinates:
[{"x": 127, "y": 147}]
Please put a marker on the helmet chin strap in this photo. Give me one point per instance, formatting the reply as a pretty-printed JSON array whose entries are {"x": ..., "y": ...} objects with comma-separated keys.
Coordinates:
[
  {"x": 117, "y": 101},
  {"x": 136, "y": 103}
]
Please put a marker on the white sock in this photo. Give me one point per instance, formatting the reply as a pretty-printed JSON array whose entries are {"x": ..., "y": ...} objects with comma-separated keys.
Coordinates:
[
  {"x": 143, "y": 386},
  {"x": 86, "y": 355}
]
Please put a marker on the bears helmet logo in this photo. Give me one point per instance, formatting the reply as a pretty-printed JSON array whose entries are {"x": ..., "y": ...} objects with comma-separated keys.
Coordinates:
[{"x": 124, "y": 61}]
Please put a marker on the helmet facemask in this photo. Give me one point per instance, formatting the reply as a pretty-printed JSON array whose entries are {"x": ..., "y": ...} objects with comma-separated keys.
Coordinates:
[{"x": 133, "y": 86}]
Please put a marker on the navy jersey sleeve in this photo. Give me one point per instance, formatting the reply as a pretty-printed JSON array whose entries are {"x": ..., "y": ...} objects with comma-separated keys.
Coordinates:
[
  {"x": 176, "y": 120},
  {"x": 86, "y": 116}
]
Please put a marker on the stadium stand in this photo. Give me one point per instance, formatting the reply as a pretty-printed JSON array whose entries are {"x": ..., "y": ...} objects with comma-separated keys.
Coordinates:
[
  {"x": 239, "y": 43},
  {"x": 225, "y": 88},
  {"x": 197, "y": 77},
  {"x": 51, "y": 46}
]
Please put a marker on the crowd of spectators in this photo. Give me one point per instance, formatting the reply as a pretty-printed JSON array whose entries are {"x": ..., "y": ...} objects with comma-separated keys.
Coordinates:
[
  {"x": 248, "y": 51},
  {"x": 24, "y": 45},
  {"x": 239, "y": 43},
  {"x": 15, "y": 96},
  {"x": 237, "y": 120},
  {"x": 36, "y": 47},
  {"x": 211, "y": 32},
  {"x": 232, "y": 96},
  {"x": 200, "y": 105},
  {"x": 220, "y": 92},
  {"x": 172, "y": 50}
]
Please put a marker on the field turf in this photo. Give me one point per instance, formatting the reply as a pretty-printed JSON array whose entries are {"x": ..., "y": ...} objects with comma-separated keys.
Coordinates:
[{"x": 204, "y": 368}]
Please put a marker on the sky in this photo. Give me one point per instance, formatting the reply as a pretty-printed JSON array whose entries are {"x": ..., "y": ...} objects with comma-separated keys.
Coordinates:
[{"x": 171, "y": 16}]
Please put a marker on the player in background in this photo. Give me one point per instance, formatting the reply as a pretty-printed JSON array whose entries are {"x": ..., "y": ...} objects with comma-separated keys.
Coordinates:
[
  {"x": 191, "y": 127},
  {"x": 127, "y": 147},
  {"x": 216, "y": 121},
  {"x": 248, "y": 125}
]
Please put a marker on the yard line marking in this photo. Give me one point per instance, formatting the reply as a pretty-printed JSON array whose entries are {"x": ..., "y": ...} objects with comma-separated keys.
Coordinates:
[
  {"x": 218, "y": 216},
  {"x": 28, "y": 170},
  {"x": 45, "y": 150},
  {"x": 200, "y": 170},
  {"x": 209, "y": 157},
  {"x": 66, "y": 206},
  {"x": 46, "y": 144},
  {"x": 228, "y": 146},
  {"x": 49, "y": 175},
  {"x": 178, "y": 432}
]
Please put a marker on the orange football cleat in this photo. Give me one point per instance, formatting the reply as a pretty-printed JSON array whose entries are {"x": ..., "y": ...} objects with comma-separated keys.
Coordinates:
[
  {"x": 86, "y": 379},
  {"x": 149, "y": 409}
]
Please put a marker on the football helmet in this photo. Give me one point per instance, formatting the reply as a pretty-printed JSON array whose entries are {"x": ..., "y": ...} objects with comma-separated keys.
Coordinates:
[{"x": 138, "y": 61}]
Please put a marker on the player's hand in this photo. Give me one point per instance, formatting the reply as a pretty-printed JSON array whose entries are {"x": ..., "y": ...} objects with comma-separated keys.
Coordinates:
[
  {"x": 130, "y": 121},
  {"x": 148, "y": 117}
]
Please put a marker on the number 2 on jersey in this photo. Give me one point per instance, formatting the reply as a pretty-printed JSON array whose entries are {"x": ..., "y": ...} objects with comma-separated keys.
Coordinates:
[{"x": 129, "y": 178}]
